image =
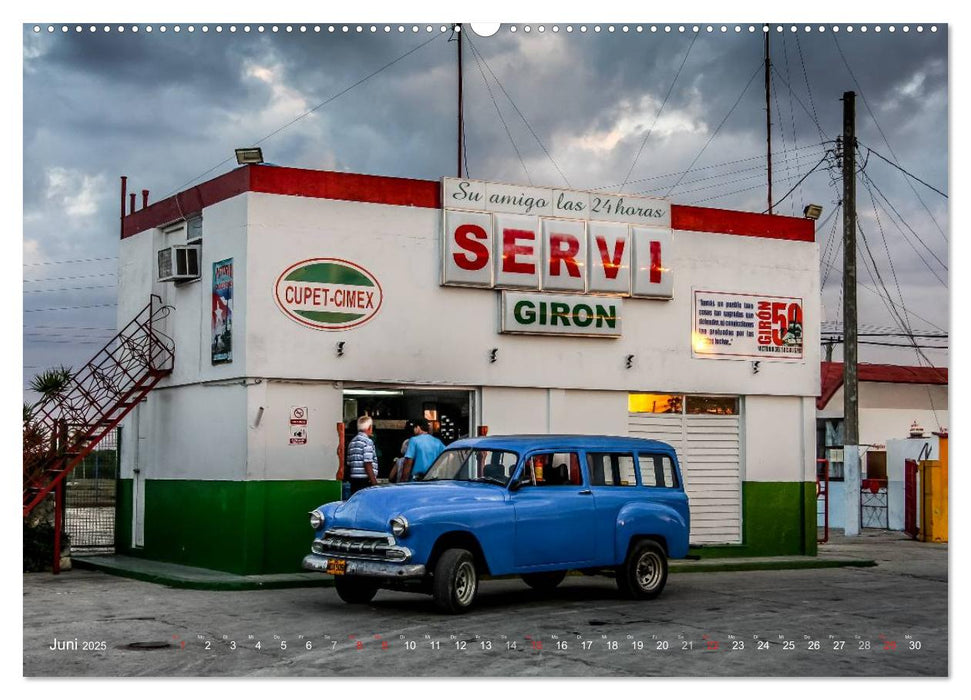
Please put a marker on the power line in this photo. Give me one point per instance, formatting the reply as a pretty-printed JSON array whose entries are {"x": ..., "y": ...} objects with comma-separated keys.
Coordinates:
[
  {"x": 521, "y": 115},
  {"x": 69, "y": 289},
  {"x": 475, "y": 55},
  {"x": 704, "y": 167},
  {"x": 873, "y": 291},
  {"x": 798, "y": 160},
  {"x": 66, "y": 262},
  {"x": 69, "y": 308},
  {"x": 909, "y": 174},
  {"x": 868, "y": 179},
  {"x": 312, "y": 110},
  {"x": 660, "y": 109},
  {"x": 779, "y": 201},
  {"x": 720, "y": 125},
  {"x": 72, "y": 277},
  {"x": 883, "y": 135}
]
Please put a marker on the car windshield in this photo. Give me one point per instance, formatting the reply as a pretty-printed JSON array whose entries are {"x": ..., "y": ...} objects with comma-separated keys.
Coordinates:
[{"x": 491, "y": 466}]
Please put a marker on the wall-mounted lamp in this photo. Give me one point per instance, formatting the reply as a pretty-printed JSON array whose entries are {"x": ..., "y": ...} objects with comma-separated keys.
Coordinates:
[
  {"x": 755, "y": 367},
  {"x": 812, "y": 211},
  {"x": 340, "y": 349},
  {"x": 259, "y": 417},
  {"x": 249, "y": 156},
  {"x": 493, "y": 354},
  {"x": 629, "y": 361}
]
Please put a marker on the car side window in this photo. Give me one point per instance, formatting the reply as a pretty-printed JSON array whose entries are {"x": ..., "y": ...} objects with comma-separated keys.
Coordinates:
[
  {"x": 554, "y": 469},
  {"x": 657, "y": 470},
  {"x": 611, "y": 469}
]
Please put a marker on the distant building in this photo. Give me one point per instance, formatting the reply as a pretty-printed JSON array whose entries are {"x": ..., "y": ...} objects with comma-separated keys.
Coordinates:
[{"x": 892, "y": 398}]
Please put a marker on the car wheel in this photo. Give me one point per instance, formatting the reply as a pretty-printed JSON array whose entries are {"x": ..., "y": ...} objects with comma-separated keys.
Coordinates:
[
  {"x": 546, "y": 581},
  {"x": 354, "y": 589},
  {"x": 455, "y": 581},
  {"x": 644, "y": 572}
]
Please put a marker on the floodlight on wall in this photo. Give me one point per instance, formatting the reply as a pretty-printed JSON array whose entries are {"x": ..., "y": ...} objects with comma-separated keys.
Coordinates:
[
  {"x": 249, "y": 156},
  {"x": 812, "y": 211}
]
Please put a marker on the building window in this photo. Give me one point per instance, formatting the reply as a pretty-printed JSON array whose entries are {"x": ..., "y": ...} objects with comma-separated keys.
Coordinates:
[
  {"x": 829, "y": 445},
  {"x": 712, "y": 405},
  {"x": 655, "y": 403}
]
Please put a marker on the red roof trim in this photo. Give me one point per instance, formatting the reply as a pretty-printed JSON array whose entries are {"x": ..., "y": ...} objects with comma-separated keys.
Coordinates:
[
  {"x": 271, "y": 179},
  {"x": 831, "y": 377}
]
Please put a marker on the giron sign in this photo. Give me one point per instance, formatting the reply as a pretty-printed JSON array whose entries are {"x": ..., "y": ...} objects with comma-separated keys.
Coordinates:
[
  {"x": 561, "y": 314},
  {"x": 328, "y": 294}
]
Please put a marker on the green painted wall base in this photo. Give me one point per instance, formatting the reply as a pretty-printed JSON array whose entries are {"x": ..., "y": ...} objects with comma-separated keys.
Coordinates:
[
  {"x": 243, "y": 527},
  {"x": 260, "y": 527},
  {"x": 778, "y": 519}
]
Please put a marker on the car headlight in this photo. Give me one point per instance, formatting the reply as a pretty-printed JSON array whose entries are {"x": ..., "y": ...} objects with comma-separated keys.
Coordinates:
[
  {"x": 399, "y": 526},
  {"x": 316, "y": 519}
]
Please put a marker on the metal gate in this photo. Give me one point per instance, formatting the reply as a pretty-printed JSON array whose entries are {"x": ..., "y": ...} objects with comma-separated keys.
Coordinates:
[
  {"x": 89, "y": 516},
  {"x": 873, "y": 504}
]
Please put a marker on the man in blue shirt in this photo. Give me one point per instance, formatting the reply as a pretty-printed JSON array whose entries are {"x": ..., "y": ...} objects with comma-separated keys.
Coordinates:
[{"x": 423, "y": 449}]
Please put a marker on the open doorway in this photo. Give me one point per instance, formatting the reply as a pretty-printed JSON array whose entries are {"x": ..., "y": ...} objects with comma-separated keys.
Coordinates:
[{"x": 448, "y": 411}]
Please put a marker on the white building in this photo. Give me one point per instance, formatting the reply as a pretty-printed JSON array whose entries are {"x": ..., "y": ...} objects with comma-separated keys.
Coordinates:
[
  {"x": 319, "y": 296},
  {"x": 891, "y": 399}
]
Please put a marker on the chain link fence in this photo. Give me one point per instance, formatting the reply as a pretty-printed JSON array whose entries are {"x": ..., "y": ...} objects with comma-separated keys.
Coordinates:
[{"x": 89, "y": 518}]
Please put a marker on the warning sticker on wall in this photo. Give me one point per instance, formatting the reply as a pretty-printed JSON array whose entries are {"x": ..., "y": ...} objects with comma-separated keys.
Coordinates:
[
  {"x": 298, "y": 435},
  {"x": 298, "y": 415},
  {"x": 759, "y": 326}
]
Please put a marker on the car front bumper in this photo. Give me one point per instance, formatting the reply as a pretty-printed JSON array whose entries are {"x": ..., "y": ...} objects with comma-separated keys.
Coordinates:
[{"x": 360, "y": 567}]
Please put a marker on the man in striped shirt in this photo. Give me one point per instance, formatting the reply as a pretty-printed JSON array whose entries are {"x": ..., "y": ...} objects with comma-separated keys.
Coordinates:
[{"x": 361, "y": 459}]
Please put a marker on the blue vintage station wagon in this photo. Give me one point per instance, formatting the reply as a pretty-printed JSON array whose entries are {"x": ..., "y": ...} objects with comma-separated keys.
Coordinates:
[{"x": 536, "y": 506}]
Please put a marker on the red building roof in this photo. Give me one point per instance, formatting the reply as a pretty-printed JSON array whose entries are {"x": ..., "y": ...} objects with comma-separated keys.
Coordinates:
[
  {"x": 831, "y": 377},
  {"x": 298, "y": 182}
]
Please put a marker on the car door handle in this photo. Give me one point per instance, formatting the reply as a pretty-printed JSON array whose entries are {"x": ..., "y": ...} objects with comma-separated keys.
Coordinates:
[{"x": 586, "y": 492}]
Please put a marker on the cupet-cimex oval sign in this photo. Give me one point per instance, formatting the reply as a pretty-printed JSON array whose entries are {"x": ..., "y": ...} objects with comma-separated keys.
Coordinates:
[{"x": 328, "y": 294}]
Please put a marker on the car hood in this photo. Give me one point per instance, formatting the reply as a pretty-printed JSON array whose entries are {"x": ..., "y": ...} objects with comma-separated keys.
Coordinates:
[{"x": 372, "y": 508}]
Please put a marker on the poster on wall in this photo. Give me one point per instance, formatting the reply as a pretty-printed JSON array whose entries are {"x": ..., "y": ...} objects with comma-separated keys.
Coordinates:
[
  {"x": 758, "y": 326},
  {"x": 222, "y": 311}
]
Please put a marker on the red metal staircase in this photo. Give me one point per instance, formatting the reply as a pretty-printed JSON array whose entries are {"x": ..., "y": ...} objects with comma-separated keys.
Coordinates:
[{"x": 70, "y": 424}]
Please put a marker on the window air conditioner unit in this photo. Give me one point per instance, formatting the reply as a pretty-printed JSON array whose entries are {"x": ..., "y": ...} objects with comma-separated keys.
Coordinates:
[{"x": 178, "y": 263}]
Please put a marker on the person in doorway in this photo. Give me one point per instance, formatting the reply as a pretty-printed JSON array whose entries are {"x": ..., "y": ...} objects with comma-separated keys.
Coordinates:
[
  {"x": 423, "y": 449},
  {"x": 362, "y": 459}
]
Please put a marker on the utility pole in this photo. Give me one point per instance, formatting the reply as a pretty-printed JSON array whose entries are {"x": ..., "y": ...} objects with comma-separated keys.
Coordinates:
[
  {"x": 458, "y": 29},
  {"x": 851, "y": 407},
  {"x": 768, "y": 117}
]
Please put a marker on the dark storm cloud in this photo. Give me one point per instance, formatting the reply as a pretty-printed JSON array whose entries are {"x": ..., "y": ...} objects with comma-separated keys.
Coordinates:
[{"x": 166, "y": 108}]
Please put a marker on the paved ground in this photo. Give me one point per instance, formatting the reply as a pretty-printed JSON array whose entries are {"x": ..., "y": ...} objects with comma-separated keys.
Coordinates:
[{"x": 888, "y": 620}]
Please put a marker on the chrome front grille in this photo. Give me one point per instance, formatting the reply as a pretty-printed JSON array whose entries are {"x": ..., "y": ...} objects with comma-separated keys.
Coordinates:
[{"x": 360, "y": 544}]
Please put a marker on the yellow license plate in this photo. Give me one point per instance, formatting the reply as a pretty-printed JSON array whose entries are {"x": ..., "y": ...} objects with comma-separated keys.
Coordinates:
[{"x": 337, "y": 567}]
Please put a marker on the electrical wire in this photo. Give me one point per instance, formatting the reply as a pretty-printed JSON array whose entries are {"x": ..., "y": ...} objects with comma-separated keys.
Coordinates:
[
  {"x": 882, "y": 134},
  {"x": 501, "y": 119},
  {"x": 312, "y": 110},
  {"x": 67, "y": 262},
  {"x": 704, "y": 167},
  {"x": 660, "y": 109},
  {"x": 521, "y": 115},
  {"x": 68, "y": 308},
  {"x": 779, "y": 201},
  {"x": 905, "y": 172},
  {"x": 720, "y": 125},
  {"x": 867, "y": 179},
  {"x": 69, "y": 289}
]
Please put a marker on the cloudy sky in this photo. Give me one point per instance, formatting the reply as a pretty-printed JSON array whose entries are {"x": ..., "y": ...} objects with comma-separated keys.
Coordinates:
[{"x": 673, "y": 114}]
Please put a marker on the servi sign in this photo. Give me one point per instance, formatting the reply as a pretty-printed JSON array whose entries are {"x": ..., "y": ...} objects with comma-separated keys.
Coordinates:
[{"x": 563, "y": 241}]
